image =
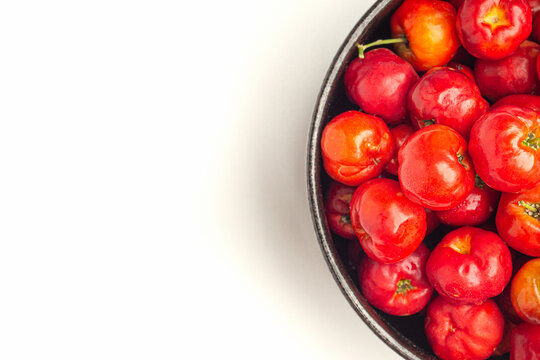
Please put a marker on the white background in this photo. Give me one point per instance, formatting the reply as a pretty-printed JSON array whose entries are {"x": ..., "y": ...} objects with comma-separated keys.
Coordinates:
[{"x": 152, "y": 181}]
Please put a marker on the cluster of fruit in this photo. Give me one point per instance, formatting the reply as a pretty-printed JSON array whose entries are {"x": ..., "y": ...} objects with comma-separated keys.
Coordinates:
[{"x": 462, "y": 150}]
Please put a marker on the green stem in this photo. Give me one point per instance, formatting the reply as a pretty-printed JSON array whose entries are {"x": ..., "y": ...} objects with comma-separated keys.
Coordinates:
[
  {"x": 345, "y": 219},
  {"x": 479, "y": 183},
  {"x": 531, "y": 209},
  {"x": 362, "y": 48},
  {"x": 460, "y": 158},
  {"x": 527, "y": 206},
  {"x": 403, "y": 286},
  {"x": 532, "y": 141}
]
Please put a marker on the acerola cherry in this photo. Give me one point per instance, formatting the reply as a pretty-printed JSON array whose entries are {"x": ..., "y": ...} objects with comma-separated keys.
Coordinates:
[
  {"x": 379, "y": 83},
  {"x": 493, "y": 29},
  {"x": 463, "y": 68},
  {"x": 428, "y": 31},
  {"x": 446, "y": 96},
  {"x": 518, "y": 221},
  {"x": 469, "y": 265},
  {"x": 504, "y": 148},
  {"x": 525, "y": 342},
  {"x": 400, "y": 134},
  {"x": 457, "y": 332},
  {"x": 514, "y": 74},
  {"x": 525, "y": 292},
  {"x": 477, "y": 207},
  {"x": 356, "y": 147},
  {"x": 522, "y": 100},
  {"x": 338, "y": 198},
  {"x": 397, "y": 289},
  {"x": 389, "y": 226},
  {"x": 434, "y": 168}
]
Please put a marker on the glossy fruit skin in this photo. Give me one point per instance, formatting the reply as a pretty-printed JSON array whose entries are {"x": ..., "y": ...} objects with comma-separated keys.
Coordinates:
[
  {"x": 400, "y": 134},
  {"x": 499, "y": 152},
  {"x": 522, "y": 100},
  {"x": 398, "y": 289},
  {"x": 457, "y": 332},
  {"x": 434, "y": 168},
  {"x": 515, "y": 225},
  {"x": 379, "y": 84},
  {"x": 463, "y": 68},
  {"x": 525, "y": 342},
  {"x": 477, "y": 207},
  {"x": 433, "y": 100},
  {"x": 514, "y": 74},
  {"x": 356, "y": 147},
  {"x": 429, "y": 26},
  {"x": 469, "y": 265},
  {"x": 525, "y": 293},
  {"x": 388, "y": 225},
  {"x": 338, "y": 198},
  {"x": 492, "y": 29}
]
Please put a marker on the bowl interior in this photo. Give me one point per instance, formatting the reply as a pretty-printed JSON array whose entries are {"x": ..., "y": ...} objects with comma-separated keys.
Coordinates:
[{"x": 404, "y": 334}]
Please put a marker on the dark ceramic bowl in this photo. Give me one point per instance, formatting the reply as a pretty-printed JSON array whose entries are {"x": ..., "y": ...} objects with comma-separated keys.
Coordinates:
[{"x": 403, "y": 334}]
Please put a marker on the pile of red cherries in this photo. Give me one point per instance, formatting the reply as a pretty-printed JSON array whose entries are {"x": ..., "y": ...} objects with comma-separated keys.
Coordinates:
[{"x": 433, "y": 141}]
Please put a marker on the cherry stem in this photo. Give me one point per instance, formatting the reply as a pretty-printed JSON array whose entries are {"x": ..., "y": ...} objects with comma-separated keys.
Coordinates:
[
  {"x": 362, "y": 48},
  {"x": 479, "y": 183},
  {"x": 532, "y": 141},
  {"x": 460, "y": 158},
  {"x": 345, "y": 219},
  {"x": 531, "y": 209},
  {"x": 403, "y": 286}
]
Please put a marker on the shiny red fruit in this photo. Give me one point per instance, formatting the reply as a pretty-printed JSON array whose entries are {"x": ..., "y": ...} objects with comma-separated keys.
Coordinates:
[
  {"x": 388, "y": 225},
  {"x": 463, "y": 68},
  {"x": 400, "y": 134},
  {"x": 430, "y": 30},
  {"x": 525, "y": 342},
  {"x": 434, "y": 168},
  {"x": 522, "y": 100},
  {"x": 338, "y": 198},
  {"x": 514, "y": 74},
  {"x": 518, "y": 221},
  {"x": 448, "y": 97},
  {"x": 356, "y": 147},
  {"x": 397, "y": 289},
  {"x": 379, "y": 84},
  {"x": 525, "y": 292},
  {"x": 504, "y": 148},
  {"x": 458, "y": 332},
  {"x": 493, "y": 29},
  {"x": 469, "y": 265},
  {"x": 477, "y": 207}
]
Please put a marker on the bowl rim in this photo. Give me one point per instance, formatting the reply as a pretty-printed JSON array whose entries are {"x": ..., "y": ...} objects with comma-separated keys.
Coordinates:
[{"x": 360, "y": 32}]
